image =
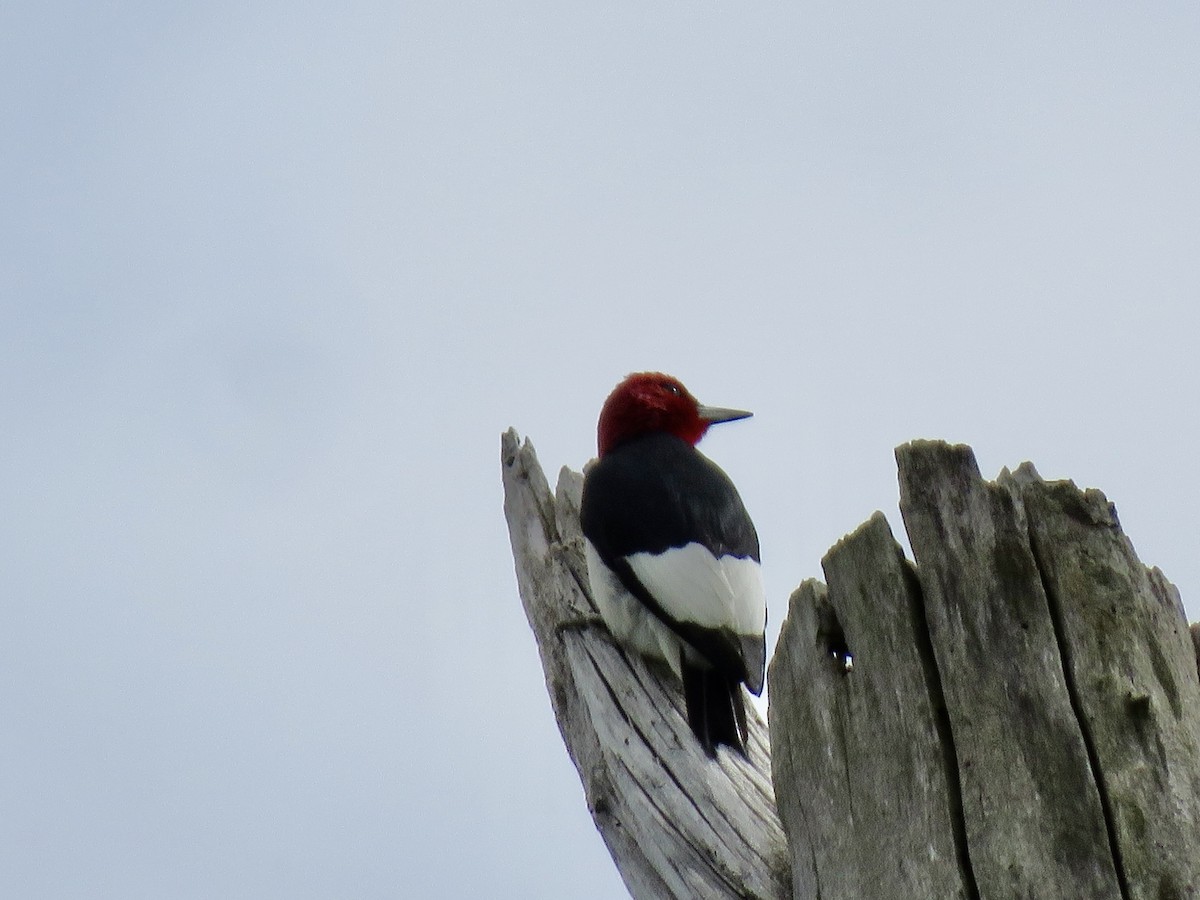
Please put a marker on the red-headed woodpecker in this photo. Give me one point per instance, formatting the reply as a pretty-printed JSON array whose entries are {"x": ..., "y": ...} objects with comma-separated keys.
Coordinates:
[{"x": 672, "y": 554}]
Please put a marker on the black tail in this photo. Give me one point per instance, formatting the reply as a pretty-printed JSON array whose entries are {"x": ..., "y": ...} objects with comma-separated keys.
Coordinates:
[{"x": 715, "y": 709}]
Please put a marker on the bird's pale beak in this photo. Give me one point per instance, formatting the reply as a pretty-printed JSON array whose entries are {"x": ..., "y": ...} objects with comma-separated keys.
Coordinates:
[{"x": 714, "y": 414}]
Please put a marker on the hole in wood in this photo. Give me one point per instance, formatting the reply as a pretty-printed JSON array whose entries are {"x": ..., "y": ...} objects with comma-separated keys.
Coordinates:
[{"x": 832, "y": 639}]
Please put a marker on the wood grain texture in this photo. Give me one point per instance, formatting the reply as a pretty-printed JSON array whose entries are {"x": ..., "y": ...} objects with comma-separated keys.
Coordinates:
[
  {"x": 1032, "y": 811},
  {"x": 868, "y": 809},
  {"x": 1132, "y": 666},
  {"x": 676, "y": 823}
]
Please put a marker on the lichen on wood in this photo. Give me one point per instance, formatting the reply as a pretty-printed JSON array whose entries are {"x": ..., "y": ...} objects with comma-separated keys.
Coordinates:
[{"x": 1033, "y": 692}]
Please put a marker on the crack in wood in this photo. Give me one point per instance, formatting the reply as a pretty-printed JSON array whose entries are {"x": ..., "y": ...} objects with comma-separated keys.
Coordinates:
[
  {"x": 1089, "y": 741},
  {"x": 941, "y": 719}
]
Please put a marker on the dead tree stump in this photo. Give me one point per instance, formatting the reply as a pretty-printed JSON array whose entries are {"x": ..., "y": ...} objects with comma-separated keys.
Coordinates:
[
  {"x": 1017, "y": 714},
  {"x": 677, "y": 824}
]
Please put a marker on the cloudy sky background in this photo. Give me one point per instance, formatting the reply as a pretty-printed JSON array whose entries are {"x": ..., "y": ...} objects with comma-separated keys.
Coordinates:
[{"x": 276, "y": 276}]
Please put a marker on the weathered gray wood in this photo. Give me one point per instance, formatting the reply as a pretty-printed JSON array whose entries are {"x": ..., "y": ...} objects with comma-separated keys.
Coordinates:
[
  {"x": 1032, "y": 811},
  {"x": 1132, "y": 667},
  {"x": 869, "y": 811},
  {"x": 1022, "y": 718},
  {"x": 676, "y": 823}
]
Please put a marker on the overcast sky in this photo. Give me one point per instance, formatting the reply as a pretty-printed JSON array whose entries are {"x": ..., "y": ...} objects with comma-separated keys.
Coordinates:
[{"x": 274, "y": 277}]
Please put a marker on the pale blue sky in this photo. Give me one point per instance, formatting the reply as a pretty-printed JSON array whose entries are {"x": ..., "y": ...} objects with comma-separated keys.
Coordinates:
[{"x": 275, "y": 277}]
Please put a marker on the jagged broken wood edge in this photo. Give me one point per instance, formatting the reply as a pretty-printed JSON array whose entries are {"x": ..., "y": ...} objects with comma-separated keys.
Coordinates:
[
  {"x": 676, "y": 823},
  {"x": 1023, "y": 715},
  {"x": 858, "y": 758}
]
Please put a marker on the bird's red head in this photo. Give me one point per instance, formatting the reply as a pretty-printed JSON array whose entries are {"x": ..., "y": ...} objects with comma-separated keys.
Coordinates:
[{"x": 646, "y": 402}]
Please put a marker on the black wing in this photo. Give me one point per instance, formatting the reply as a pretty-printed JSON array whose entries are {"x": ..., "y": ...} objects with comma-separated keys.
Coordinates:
[{"x": 659, "y": 492}]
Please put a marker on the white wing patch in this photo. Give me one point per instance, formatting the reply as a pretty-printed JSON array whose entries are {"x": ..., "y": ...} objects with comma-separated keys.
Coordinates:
[
  {"x": 628, "y": 618},
  {"x": 692, "y": 585}
]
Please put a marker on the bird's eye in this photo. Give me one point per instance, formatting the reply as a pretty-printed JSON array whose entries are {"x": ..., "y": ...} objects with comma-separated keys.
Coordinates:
[{"x": 672, "y": 388}]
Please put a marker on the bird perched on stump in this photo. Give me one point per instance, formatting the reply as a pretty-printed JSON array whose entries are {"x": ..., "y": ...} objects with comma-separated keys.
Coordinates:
[{"x": 672, "y": 555}]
